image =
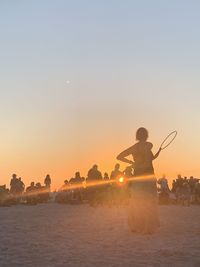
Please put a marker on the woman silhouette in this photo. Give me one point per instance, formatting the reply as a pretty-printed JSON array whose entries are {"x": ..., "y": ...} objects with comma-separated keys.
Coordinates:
[{"x": 143, "y": 215}]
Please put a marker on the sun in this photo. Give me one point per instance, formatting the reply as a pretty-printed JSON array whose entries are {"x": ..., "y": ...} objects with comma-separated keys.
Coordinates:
[{"x": 121, "y": 179}]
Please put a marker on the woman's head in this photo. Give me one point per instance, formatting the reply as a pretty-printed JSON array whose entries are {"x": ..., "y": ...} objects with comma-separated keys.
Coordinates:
[{"x": 142, "y": 134}]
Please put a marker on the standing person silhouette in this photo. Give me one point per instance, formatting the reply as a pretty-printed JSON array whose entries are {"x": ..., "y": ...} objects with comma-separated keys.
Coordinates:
[
  {"x": 47, "y": 181},
  {"x": 143, "y": 215}
]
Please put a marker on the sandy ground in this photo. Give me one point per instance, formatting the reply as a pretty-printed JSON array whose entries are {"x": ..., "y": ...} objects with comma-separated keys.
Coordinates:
[{"x": 78, "y": 235}]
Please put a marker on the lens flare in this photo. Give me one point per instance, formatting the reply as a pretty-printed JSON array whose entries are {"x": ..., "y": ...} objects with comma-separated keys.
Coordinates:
[{"x": 121, "y": 179}]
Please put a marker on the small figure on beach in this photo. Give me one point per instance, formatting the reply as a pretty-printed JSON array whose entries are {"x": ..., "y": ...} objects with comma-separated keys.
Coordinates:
[
  {"x": 106, "y": 177},
  {"x": 47, "y": 181},
  {"x": 143, "y": 214},
  {"x": 13, "y": 184},
  {"x": 94, "y": 174},
  {"x": 116, "y": 173}
]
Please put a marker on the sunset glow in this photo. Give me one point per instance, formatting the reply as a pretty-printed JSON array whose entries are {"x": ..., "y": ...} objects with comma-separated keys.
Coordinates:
[
  {"x": 121, "y": 179},
  {"x": 76, "y": 87}
]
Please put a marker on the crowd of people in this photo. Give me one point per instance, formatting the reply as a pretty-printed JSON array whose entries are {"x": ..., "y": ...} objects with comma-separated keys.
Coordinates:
[
  {"x": 98, "y": 189},
  {"x": 114, "y": 188},
  {"x": 17, "y": 194},
  {"x": 184, "y": 190}
]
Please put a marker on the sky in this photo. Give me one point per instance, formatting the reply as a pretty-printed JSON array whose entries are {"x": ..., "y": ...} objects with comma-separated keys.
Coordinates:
[{"x": 79, "y": 77}]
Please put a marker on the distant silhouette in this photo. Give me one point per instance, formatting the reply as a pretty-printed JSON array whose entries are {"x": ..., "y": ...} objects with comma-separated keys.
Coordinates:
[
  {"x": 31, "y": 187},
  {"x": 141, "y": 189},
  {"x": 16, "y": 189},
  {"x": 164, "y": 191},
  {"x": 94, "y": 192},
  {"x": 163, "y": 182},
  {"x": 143, "y": 216},
  {"x": 185, "y": 194},
  {"x": 128, "y": 172},
  {"x": 41, "y": 193},
  {"x": 31, "y": 197},
  {"x": 13, "y": 184},
  {"x": 116, "y": 173},
  {"x": 76, "y": 193},
  {"x": 47, "y": 181},
  {"x": 191, "y": 182},
  {"x": 4, "y": 193},
  {"x": 77, "y": 179},
  {"x": 117, "y": 191},
  {"x": 20, "y": 186},
  {"x": 94, "y": 174},
  {"x": 106, "y": 176},
  {"x": 63, "y": 195}
]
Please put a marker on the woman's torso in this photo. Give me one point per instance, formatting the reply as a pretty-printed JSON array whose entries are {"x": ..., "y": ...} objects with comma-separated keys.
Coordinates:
[{"x": 143, "y": 157}]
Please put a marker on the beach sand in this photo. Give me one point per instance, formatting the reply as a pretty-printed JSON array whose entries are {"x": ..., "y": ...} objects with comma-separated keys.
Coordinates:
[{"x": 79, "y": 235}]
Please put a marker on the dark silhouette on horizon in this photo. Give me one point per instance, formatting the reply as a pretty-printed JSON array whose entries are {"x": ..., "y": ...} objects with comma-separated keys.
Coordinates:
[
  {"x": 94, "y": 174},
  {"x": 116, "y": 173},
  {"x": 47, "y": 181}
]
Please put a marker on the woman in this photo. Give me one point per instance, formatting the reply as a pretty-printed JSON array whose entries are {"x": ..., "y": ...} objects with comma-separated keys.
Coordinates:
[{"x": 143, "y": 216}]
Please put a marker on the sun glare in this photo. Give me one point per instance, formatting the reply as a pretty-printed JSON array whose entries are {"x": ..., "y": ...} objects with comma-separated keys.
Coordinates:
[{"x": 121, "y": 179}]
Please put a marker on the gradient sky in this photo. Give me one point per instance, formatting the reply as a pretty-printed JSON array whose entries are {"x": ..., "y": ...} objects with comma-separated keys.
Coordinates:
[{"x": 129, "y": 63}]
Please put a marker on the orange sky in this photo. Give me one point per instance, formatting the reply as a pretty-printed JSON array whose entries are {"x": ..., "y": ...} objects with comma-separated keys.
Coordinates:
[{"x": 33, "y": 163}]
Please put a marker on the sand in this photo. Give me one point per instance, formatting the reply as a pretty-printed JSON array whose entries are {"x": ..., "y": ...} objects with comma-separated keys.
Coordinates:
[{"x": 79, "y": 235}]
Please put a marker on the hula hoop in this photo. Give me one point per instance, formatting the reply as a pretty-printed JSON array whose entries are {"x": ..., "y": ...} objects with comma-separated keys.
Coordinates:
[{"x": 162, "y": 146}]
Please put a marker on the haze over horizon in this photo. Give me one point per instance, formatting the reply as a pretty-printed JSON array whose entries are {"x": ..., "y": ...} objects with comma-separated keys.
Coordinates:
[{"x": 79, "y": 77}]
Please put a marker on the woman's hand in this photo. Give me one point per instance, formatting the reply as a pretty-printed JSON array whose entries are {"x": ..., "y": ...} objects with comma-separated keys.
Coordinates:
[{"x": 157, "y": 154}]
